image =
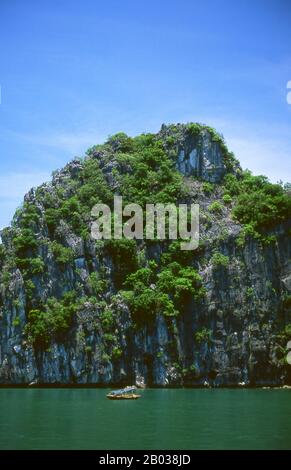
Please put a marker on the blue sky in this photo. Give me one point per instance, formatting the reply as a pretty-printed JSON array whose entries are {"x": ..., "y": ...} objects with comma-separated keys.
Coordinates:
[{"x": 73, "y": 72}]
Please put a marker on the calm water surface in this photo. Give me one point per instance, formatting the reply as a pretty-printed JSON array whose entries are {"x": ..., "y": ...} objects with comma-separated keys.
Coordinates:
[{"x": 161, "y": 419}]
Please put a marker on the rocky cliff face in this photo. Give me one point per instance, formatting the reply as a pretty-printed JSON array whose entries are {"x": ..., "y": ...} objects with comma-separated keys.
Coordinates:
[
  {"x": 198, "y": 154},
  {"x": 234, "y": 335}
]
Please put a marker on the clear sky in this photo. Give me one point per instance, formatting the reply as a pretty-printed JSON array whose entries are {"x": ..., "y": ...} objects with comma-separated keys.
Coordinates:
[{"x": 73, "y": 72}]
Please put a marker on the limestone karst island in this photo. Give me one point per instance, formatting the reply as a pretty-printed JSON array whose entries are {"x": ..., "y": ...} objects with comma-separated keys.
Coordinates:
[{"x": 76, "y": 311}]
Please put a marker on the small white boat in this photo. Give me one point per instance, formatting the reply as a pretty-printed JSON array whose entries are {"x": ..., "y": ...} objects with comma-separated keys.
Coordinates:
[{"x": 126, "y": 393}]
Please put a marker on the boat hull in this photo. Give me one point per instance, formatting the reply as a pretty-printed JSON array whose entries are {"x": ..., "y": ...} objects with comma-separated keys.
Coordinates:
[{"x": 123, "y": 397}]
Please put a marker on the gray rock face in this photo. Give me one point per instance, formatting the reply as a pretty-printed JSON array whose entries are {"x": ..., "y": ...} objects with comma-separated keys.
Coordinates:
[
  {"x": 241, "y": 309},
  {"x": 201, "y": 157},
  {"x": 198, "y": 154},
  {"x": 287, "y": 282}
]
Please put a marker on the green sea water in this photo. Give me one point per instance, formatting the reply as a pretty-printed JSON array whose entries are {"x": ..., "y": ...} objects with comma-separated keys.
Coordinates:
[{"x": 161, "y": 419}]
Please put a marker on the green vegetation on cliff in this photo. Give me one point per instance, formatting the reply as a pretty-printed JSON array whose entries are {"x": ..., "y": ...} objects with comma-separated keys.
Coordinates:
[
  {"x": 50, "y": 234},
  {"x": 167, "y": 292},
  {"x": 258, "y": 203}
]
